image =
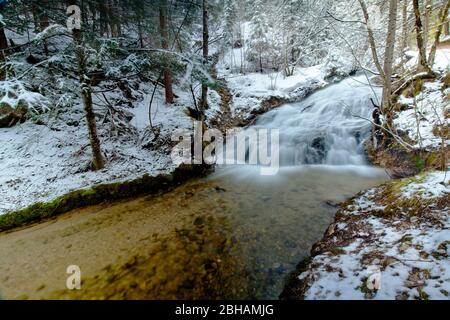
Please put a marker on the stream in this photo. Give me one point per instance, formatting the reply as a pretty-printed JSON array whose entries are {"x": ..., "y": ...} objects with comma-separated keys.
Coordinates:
[
  {"x": 276, "y": 219},
  {"x": 235, "y": 234}
]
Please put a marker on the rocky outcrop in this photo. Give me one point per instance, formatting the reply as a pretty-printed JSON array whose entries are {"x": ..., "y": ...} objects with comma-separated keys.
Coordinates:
[{"x": 10, "y": 116}]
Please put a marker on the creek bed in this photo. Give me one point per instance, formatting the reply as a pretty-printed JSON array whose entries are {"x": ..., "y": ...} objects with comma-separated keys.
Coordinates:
[{"x": 275, "y": 220}]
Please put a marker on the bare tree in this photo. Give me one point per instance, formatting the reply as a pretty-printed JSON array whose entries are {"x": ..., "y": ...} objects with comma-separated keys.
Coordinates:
[
  {"x": 371, "y": 38},
  {"x": 428, "y": 10},
  {"x": 443, "y": 13},
  {"x": 385, "y": 70},
  {"x": 389, "y": 56},
  {"x": 419, "y": 35},
  {"x": 405, "y": 27}
]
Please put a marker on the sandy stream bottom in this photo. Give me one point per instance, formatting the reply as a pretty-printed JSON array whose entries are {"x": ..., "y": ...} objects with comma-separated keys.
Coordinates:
[{"x": 233, "y": 235}]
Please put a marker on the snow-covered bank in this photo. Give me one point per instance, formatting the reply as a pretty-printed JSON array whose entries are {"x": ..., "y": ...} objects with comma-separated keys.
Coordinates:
[
  {"x": 390, "y": 242},
  {"x": 251, "y": 89},
  {"x": 425, "y": 116},
  {"x": 42, "y": 160}
]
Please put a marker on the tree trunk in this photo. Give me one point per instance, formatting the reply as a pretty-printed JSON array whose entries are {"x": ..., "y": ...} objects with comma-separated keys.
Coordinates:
[
  {"x": 446, "y": 30},
  {"x": 389, "y": 50},
  {"x": 260, "y": 63},
  {"x": 204, "y": 101},
  {"x": 386, "y": 70},
  {"x": 44, "y": 22},
  {"x": 443, "y": 14},
  {"x": 420, "y": 43},
  {"x": 389, "y": 61},
  {"x": 404, "y": 27},
  {"x": 117, "y": 20},
  {"x": 98, "y": 162},
  {"x": 103, "y": 17},
  {"x": 165, "y": 45},
  {"x": 3, "y": 47},
  {"x": 141, "y": 34},
  {"x": 426, "y": 29},
  {"x": 371, "y": 39}
]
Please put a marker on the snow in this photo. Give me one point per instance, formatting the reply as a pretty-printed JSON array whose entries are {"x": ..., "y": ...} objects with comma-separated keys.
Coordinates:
[
  {"x": 442, "y": 60},
  {"x": 434, "y": 185},
  {"x": 50, "y": 31},
  {"x": 251, "y": 89},
  {"x": 170, "y": 116},
  {"x": 13, "y": 93},
  {"x": 407, "y": 255},
  {"x": 431, "y": 105},
  {"x": 257, "y": 84},
  {"x": 38, "y": 163}
]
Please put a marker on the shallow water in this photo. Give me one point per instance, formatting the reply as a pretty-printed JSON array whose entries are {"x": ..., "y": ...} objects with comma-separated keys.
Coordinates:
[
  {"x": 269, "y": 222},
  {"x": 277, "y": 219}
]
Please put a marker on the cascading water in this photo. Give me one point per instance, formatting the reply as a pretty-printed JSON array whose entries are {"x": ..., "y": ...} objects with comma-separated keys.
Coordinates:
[
  {"x": 327, "y": 127},
  {"x": 321, "y": 151}
]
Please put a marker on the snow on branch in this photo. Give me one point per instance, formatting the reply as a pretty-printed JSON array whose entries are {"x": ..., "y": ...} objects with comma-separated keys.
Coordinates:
[{"x": 53, "y": 30}]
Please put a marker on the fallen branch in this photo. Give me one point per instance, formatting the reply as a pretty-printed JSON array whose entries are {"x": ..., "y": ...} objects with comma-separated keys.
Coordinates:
[{"x": 407, "y": 83}]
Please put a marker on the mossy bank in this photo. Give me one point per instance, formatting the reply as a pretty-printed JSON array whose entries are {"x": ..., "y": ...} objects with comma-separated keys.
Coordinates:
[{"x": 97, "y": 194}]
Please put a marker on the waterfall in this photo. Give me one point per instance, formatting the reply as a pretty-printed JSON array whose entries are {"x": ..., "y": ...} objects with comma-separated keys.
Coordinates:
[{"x": 327, "y": 127}]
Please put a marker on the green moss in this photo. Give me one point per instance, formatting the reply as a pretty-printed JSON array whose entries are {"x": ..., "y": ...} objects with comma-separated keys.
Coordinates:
[
  {"x": 420, "y": 162},
  {"x": 98, "y": 194},
  {"x": 368, "y": 294},
  {"x": 422, "y": 295},
  {"x": 414, "y": 89}
]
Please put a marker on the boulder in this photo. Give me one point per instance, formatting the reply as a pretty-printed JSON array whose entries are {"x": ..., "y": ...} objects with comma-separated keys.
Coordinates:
[{"x": 10, "y": 116}]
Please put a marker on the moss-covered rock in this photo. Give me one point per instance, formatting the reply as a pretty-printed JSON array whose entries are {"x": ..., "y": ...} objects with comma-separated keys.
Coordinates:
[{"x": 414, "y": 89}]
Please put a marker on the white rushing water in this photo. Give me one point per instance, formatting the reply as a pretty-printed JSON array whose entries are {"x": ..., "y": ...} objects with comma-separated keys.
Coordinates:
[
  {"x": 277, "y": 218},
  {"x": 326, "y": 128}
]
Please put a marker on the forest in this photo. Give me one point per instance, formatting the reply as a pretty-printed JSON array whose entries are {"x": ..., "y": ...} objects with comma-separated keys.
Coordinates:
[{"x": 224, "y": 149}]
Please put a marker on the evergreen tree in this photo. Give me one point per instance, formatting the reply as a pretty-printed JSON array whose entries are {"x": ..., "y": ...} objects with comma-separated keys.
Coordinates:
[{"x": 259, "y": 47}]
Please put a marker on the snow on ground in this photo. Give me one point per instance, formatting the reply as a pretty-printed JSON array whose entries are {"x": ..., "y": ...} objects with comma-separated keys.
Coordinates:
[
  {"x": 255, "y": 87},
  {"x": 170, "y": 116},
  {"x": 432, "y": 186},
  {"x": 249, "y": 89},
  {"x": 372, "y": 252},
  {"x": 442, "y": 60},
  {"x": 428, "y": 108},
  {"x": 38, "y": 163}
]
